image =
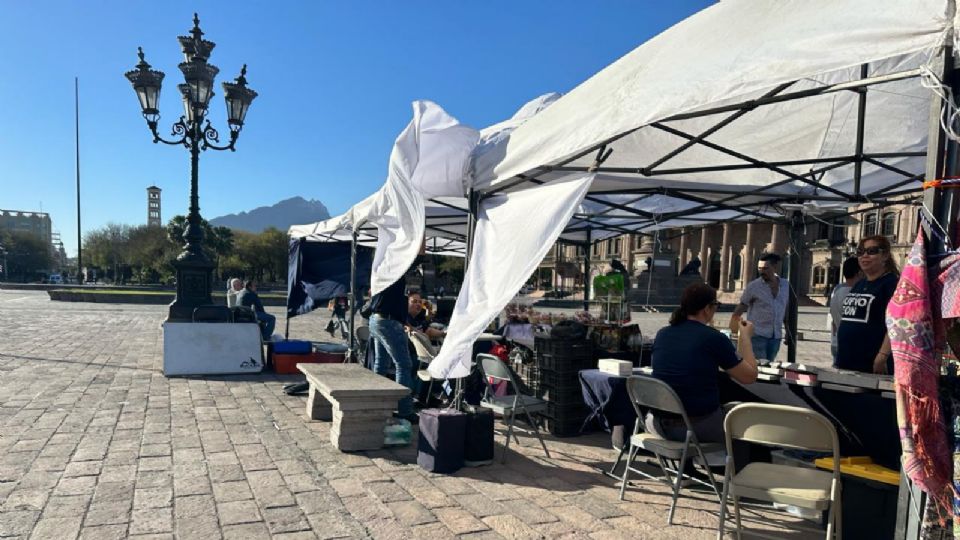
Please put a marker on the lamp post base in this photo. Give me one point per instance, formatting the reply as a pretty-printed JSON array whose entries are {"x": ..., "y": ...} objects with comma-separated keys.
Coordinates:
[{"x": 194, "y": 280}]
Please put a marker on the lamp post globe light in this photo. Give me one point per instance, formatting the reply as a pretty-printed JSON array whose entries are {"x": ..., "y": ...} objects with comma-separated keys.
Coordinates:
[{"x": 194, "y": 268}]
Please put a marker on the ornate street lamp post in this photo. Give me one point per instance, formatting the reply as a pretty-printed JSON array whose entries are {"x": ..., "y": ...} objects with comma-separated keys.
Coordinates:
[{"x": 194, "y": 268}]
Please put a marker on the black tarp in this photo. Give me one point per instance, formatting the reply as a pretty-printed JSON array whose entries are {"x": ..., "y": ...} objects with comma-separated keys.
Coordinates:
[{"x": 319, "y": 271}]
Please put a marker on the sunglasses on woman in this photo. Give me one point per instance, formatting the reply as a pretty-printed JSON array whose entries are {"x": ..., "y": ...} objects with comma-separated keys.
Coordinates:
[{"x": 872, "y": 250}]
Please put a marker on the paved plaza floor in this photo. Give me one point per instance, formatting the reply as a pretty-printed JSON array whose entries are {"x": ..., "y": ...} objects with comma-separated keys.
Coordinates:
[{"x": 96, "y": 443}]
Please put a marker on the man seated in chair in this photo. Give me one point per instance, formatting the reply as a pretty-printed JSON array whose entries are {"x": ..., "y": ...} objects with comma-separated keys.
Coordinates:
[
  {"x": 687, "y": 355},
  {"x": 248, "y": 298}
]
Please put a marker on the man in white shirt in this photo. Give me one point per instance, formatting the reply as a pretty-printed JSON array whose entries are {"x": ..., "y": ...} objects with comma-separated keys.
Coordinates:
[
  {"x": 851, "y": 275},
  {"x": 765, "y": 301}
]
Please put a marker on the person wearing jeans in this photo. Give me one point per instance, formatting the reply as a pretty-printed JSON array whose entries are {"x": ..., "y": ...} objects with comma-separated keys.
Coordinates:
[
  {"x": 765, "y": 301},
  {"x": 390, "y": 341}
]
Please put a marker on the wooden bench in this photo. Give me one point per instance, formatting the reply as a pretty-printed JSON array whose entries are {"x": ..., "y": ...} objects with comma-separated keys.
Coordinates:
[{"x": 357, "y": 400}]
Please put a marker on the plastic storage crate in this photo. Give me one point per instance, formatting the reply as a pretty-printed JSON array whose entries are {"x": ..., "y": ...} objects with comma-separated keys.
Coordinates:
[
  {"x": 869, "y": 496},
  {"x": 563, "y": 427},
  {"x": 563, "y": 355}
]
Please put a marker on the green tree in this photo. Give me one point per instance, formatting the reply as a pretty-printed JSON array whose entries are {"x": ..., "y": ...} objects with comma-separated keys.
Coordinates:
[
  {"x": 275, "y": 245},
  {"x": 109, "y": 248},
  {"x": 150, "y": 254},
  {"x": 27, "y": 255}
]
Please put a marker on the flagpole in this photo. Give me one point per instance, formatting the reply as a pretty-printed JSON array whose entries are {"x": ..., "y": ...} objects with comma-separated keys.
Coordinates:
[{"x": 76, "y": 104}]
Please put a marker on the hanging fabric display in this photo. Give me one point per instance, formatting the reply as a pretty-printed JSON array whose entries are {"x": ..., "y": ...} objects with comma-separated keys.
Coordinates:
[{"x": 926, "y": 454}]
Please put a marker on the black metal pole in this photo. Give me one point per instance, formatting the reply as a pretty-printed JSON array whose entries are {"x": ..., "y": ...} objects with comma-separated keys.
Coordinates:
[
  {"x": 586, "y": 269},
  {"x": 793, "y": 312},
  {"x": 194, "y": 233},
  {"x": 353, "y": 293},
  {"x": 194, "y": 268},
  {"x": 861, "y": 116},
  {"x": 472, "y": 204},
  {"x": 76, "y": 110}
]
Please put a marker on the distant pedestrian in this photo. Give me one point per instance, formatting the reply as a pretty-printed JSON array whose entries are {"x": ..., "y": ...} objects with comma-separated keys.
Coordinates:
[
  {"x": 338, "y": 317},
  {"x": 851, "y": 275},
  {"x": 248, "y": 298}
]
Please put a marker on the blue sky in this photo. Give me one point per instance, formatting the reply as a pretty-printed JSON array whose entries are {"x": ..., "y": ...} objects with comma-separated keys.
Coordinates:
[{"x": 335, "y": 80}]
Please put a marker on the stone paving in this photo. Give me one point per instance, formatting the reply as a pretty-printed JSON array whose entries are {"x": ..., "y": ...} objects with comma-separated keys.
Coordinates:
[{"x": 96, "y": 443}]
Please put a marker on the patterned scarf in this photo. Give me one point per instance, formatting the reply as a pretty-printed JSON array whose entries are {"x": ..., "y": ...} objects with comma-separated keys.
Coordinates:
[{"x": 910, "y": 324}]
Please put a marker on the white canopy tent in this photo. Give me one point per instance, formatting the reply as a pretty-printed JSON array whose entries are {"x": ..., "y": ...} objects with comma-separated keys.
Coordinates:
[
  {"x": 731, "y": 114},
  {"x": 445, "y": 227},
  {"x": 738, "y": 109}
]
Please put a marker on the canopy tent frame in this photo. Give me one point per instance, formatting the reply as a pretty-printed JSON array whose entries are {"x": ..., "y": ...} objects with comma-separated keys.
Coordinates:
[
  {"x": 740, "y": 109},
  {"x": 731, "y": 198}
]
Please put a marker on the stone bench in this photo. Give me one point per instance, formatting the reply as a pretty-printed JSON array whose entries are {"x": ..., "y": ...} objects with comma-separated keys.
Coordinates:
[{"x": 357, "y": 400}]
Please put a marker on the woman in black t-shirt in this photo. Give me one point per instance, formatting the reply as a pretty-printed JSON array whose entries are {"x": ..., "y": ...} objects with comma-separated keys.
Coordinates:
[
  {"x": 862, "y": 341},
  {"x": 687, "y": 355}
]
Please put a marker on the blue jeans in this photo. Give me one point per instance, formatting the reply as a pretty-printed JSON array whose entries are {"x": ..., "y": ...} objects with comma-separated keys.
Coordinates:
[
  {"x": 267, "y": 323},
  {"x": 765, "y": 348},
  {"x": 390, "y": 342}
]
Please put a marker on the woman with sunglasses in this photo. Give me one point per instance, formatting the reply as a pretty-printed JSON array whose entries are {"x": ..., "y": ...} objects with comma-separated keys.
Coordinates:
[
  {"x": 862, "y": 341},
  {"x": 687, "y": 355}
]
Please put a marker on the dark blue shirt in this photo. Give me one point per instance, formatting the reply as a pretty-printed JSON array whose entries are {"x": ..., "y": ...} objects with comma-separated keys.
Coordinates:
[
  {"x": 686, "y": 357},
  {"x": 248, "y": 298},
  {"x": 863, "y": 323}
]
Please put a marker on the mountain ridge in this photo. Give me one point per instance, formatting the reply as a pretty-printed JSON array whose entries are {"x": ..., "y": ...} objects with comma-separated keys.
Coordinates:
[{"x": 283, "y": 214}]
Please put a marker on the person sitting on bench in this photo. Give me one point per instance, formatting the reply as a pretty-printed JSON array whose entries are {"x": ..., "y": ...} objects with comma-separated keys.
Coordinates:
[
  {"x": 248, "y": 298},
  {"x": 234, "y": 286}
]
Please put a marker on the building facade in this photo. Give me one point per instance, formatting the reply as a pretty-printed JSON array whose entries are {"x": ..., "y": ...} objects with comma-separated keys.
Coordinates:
[
  {"x": 36, "y": 223},
  {"x": 728, "y": 252},
  {"x": 153, "y": 207}
]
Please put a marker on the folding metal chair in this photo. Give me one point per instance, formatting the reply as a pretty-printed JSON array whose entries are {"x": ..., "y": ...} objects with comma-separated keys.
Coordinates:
[
  {"x": 655, "y": 395},
  {"x": 425, "y": 354},
  {"x": 787, "y": 427},
  {"x": 493, "y": 370}
]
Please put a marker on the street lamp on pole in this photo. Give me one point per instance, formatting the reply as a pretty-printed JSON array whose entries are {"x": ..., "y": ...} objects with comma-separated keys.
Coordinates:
[{"x": 194, "y": 268}]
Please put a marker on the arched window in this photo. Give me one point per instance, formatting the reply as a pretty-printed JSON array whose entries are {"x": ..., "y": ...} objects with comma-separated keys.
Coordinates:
[
  {"x": 888, "y": 227},
  {"x": 870, "y": 224}
]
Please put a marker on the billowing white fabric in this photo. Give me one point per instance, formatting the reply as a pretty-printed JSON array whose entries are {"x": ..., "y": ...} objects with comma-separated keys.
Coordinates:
[
  {"x": 429, "y": 160},
  {"x": 508, "y": 246},
  {"x": 733, "y": 51}
]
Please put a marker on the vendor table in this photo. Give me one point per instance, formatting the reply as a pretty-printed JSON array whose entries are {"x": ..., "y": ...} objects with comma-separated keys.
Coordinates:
[{"x": 865, "y": 420}]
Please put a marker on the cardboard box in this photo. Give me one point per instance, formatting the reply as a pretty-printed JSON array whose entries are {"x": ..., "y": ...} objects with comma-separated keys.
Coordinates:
[{"x": 620, "y": 368}]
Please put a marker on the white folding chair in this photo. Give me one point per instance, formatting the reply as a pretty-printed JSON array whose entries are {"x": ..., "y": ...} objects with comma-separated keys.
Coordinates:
[{"x": 786, "y": 427}]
